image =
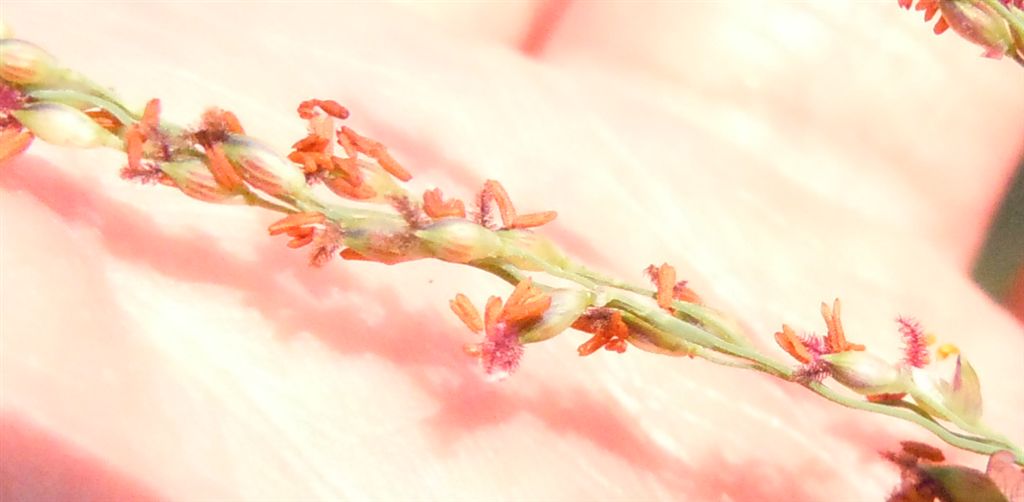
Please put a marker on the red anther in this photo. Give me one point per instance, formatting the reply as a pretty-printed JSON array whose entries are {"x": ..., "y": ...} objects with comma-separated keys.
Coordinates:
[{"x": 922, "y": 451}]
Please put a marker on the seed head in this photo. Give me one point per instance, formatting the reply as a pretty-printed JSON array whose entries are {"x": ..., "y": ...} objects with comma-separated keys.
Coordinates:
[
  {"x": 25, "y": 63},
  {"x": 64, "y": 125}
]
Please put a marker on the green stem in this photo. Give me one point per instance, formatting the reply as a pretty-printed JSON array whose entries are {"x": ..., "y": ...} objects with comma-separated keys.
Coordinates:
[
  {"x": 705, "y": 316},
  {"x": 1016, "y": 20},
  {"x": 70, "y": 97},
  {"x": 977, "y": 445}
]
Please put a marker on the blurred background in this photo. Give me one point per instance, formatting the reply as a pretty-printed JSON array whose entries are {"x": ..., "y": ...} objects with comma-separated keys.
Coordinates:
[{"x": 999, "y": 267}]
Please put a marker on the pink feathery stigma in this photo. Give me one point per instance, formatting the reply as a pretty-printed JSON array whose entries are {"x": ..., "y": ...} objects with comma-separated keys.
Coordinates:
[
  {"x": 815, "y": 344},
  {"x": 814, "y": 371},
  {"x": 500, "y": 352},
  {"x": 915, "y": 349}
]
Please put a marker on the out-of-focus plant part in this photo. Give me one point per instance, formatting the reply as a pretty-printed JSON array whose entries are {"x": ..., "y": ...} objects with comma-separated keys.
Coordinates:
[
  {"x": 368, "y": 212},
  {"x": 923, "y": 477},
  {"x": 1007, "y": 475},
  {"x": 995, "y": 25}
]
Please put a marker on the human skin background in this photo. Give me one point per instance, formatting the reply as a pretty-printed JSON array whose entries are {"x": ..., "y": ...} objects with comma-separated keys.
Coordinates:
[{"x": 778, "y": 154}]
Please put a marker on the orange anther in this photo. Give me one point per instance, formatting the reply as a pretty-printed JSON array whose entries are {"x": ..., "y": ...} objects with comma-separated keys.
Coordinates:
[
  {"x": 298, "y": 157},
  {"x": 307, "y": 108},
  {"x": 683, "y": 293},
  {"x": 666, "y": 286},
  {"x": 223, "y": 172},
  {"x": 593, "y": 344},
  {"x": 466, "y": 312},
  {"x": 886, "y": 398},
  {"x": 333, "y": 109},
  {"x": 835, "y": 340},
  {"x": 352, "y": 254},
  {"x": 301, "y": 239},
  {"x": 616, "y": 345},
  {"x": 792, "y": 344},
  {"x": 523, "y": 291},
  {"x": 527, "y": 310},
  {"x": 436, "y": 207},
  {"x": 13, "y": 142},
  {"x": 391, "y": 165},
  {"x": 610, "y": 332},
  {"x": 617, "y": 326},
  {"x": 497, "y": 193},
  {"x": 296, "y": 221},
  {"x": 151, "y": 115},
  {"x": 349, "y": 167},
  {"x": 346, "y": 144},
  {"x": 533, "y": 219},
  {"x": 492, "y": 311},
  {"x": 133, "y": 146},
  {"x": 345, "y": 188},
  {"x": 232, "y": 123},
  {"x": 311, "y": 143},
  {"x": 310, "y": 164},
  {"x": 104, "y": 119},
  {"x": 361, "y": 143}
]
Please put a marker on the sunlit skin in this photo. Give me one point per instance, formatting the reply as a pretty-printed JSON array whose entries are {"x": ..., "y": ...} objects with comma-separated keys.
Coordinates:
[{"x": 776, "y": 154}]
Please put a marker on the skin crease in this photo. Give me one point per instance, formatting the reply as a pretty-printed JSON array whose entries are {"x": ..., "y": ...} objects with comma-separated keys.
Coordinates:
[{"x": 157, "y": 347}]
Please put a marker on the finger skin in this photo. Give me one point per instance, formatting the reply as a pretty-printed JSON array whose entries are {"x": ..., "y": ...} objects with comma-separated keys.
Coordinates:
[
  {"x": 187, "y": 352},
  {"x": 902, "y": 106}
]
